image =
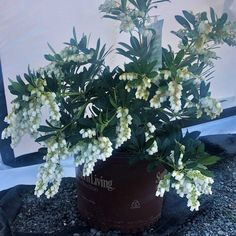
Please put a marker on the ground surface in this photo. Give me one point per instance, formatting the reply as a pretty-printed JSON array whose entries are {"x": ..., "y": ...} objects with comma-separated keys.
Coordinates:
[{"x": 217, "y": 216}]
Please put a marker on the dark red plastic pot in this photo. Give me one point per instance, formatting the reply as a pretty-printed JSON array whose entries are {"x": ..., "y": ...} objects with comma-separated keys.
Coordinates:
[{"x": 119, "y": 196}]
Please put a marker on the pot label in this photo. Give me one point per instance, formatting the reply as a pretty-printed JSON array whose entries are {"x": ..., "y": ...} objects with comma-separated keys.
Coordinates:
[{"x": 98, "y": 182}]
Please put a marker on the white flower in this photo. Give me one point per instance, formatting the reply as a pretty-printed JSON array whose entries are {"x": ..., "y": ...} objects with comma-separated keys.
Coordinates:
[
  {"x": 50, "y": 174},
  {"x": 151, "y": 127},
  {"x": 190, "y": 183},
  {"x": 175, "y": 92},
  {"x": 128, "y": 76},
  {"x": 107, "y": 6},
  {"x": 148, "y": 135},
  {"x": 163, "y": 186},
  {"x": 166, "y": 73},
  {"x": 28, "y": 118},
  {"x": 204, "y": 27},
  {"x": 88, "y": 133},
  {"x": 158, "y": 99},
  {"x": 90, "y": 153},
  {"x": 123, "y": 130},
  {"x": 127, "y": 23},
  {"x": 210, "y": 106},
  {"x": 184, "y": 73}
]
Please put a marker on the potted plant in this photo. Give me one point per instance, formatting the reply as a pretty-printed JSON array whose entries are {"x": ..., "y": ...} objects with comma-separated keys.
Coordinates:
[{"x": 124, "y": 125}]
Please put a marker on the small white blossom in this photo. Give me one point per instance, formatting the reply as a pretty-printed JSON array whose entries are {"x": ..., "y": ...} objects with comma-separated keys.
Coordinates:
[
  {"x": 210, "y": 106},
  {"x": 158, "y": 99},
  {"x": 175, "y": 92},
  {"x": 189, "y": 183},
  {"x": 204, "y": 27},
  {"x": 90, "y": 153},
  {"x": 88, "y": 133},
  {"x": 123, "y": 130},
  {"x": 127, "y": 23},
  {"x": 107, "y": 6}
]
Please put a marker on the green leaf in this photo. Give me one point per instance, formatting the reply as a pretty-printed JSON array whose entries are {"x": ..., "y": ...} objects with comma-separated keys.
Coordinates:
[
  {"x": 74, "y": 34},
  {"x": 190, "y": 17},
  {"x": 43, "y": 138},
  {"x": 135, "y": 43},
  {"x": 46, "y": 129},
  {"x": 20, "y": 81},
  {"x": 209, "y": 160},
  {"x": 223, "y": 19},
  {"x": 183, "y": 22},
  {"x": 111, "y": 17},
  {"x": 16, "y": 88},
  {"x": 51, "y": 48},
  {"x": 134, "y": 3},
  {"x": 49, "y": 57},
  {"x": 179, "y": 57},
  {"x": 149, "y": 143},
  {"x": 213, "y": 15},
  {"x": 125, "y": 54}
]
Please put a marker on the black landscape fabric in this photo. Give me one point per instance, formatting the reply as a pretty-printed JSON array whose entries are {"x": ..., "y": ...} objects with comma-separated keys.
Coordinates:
[{"x": 174, "y": 213}]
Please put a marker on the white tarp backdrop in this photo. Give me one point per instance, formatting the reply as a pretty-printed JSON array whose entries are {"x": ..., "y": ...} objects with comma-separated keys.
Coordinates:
[{"x": 26, "y": 26}]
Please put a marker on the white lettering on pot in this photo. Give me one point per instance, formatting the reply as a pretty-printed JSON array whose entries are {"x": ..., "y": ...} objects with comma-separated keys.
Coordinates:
[{"x": 98, "y": 182}]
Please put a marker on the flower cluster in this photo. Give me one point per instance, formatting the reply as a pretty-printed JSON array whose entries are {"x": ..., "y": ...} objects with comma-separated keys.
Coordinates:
[
  {"x": 88, "y": 133},
  {"x": 123, "y": 130},
  {"x": 149, "y": 135},
  {"x": 140, "y": 83},
  {"x": 27, "y": 119},
  {"x": 91, "y": 152},
  {"x": 108, "y": 5},
  {"x": 186, "y": 182},
  {"x": 72, "y": 54},
  {"x": 127, "y": 23},
  {"x": 210, "y": 106},
  {"x": 160, "y": 97},
  {"x": 175, "y": 93},
  {"x": 51, "y": 173}
]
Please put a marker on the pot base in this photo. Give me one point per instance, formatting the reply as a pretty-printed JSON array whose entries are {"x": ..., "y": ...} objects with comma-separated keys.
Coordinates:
[{"x": 119, "y": 196}]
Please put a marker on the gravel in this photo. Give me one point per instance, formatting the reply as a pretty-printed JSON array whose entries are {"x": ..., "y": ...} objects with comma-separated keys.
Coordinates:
[{"x": 40, "y": 215}]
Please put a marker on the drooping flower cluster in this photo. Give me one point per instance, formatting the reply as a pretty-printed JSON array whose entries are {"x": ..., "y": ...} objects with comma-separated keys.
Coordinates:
[
  {"x": 160, "y": 97},
  {"x": 51, "y": 173},
  {"x": 72, "y": 54},
  {"x": 140, "y": 83},
  {"x": 27, "y": 119},
  {"x": 123, "y": 130},
  {"x": 127, "y": 17},
  {"x": 88, "y": 153},
  {"x": 210, "y": 106},
  {"x": 149, "y": 135},
  {"x": 187, "y": 182},
  {"x": 175, "y": 93},
  {"x": 107, "y": 6},
  {"x": 127, "y": 23}
]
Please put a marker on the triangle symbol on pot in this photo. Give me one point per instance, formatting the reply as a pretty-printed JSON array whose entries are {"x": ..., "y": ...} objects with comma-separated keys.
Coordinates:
[{"x": 135, "y": 205}]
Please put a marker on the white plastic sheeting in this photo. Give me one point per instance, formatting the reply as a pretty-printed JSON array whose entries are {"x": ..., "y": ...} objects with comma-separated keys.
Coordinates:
[{"x": 26, "y": 26}]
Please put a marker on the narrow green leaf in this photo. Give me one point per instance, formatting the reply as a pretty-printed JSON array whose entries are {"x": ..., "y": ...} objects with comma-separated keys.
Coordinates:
[
  {"x": 183, "y": 22},
  {"x": 190, "y": 17},
  {"x": 43, "y": 138},
  {"x": 213, "y": 15},
  {"x": 49, "y": 57},
  {"x": 209, "y": 160}
]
